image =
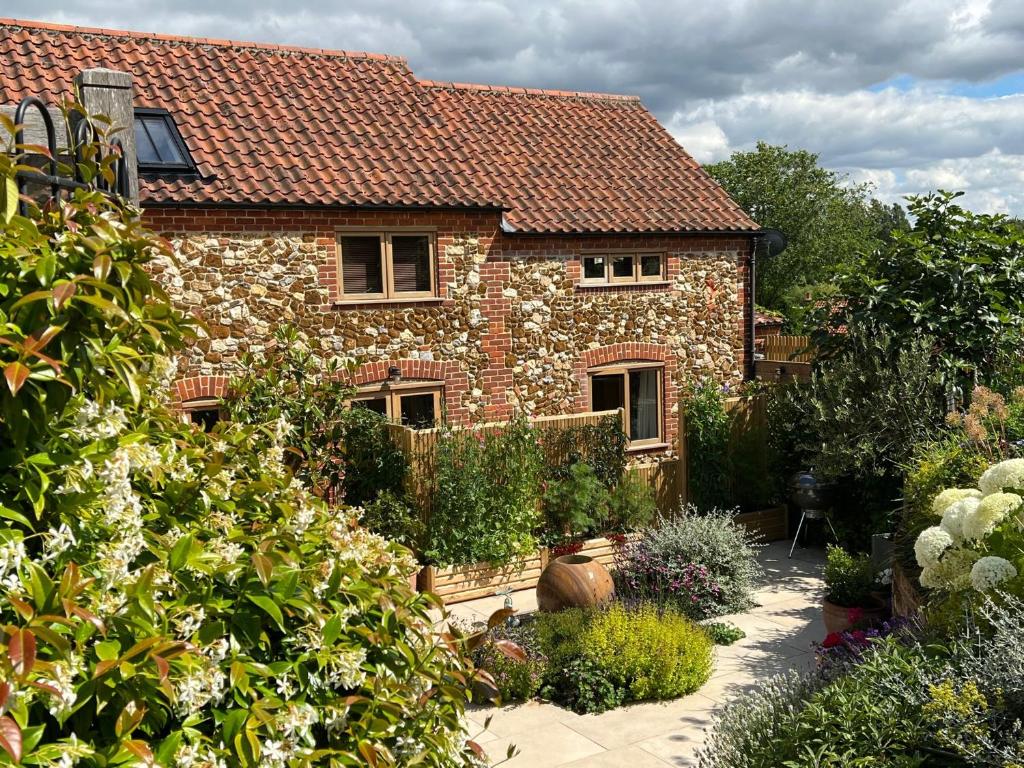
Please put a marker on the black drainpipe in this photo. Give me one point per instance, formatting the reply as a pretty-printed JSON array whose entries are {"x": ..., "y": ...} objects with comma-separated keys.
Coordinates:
[{"x": 755, "y": 241}]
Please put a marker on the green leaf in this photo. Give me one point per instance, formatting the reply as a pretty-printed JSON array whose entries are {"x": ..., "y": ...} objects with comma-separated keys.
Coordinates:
[
  {"x": 269, "y": 606},
  {"x": 8, "y": 198},
  {"x": 179, "y": 553}
]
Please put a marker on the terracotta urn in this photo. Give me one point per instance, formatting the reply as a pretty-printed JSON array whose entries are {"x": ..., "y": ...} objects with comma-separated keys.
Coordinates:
[
  {"x": 574, "y": 581},
  {"x": 839, "y": 618}
]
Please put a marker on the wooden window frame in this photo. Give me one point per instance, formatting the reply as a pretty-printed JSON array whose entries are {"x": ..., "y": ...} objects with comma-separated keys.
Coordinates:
[
  {"x": 635, "y": 278},
  {"x": 623, "y": 369},
  {"x": 188, "y": 407},
  {"x": 392, "y": 394},
  {"x": 387, "y": 265}
]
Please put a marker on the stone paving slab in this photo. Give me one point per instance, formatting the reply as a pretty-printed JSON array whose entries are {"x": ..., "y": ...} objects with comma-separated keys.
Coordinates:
[{"x": 780, "y": 630}]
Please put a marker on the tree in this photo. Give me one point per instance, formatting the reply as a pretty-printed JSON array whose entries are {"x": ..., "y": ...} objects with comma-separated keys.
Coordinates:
[
  {"x": 826, "y": 219},
  {"x": 955, "y": 276}
]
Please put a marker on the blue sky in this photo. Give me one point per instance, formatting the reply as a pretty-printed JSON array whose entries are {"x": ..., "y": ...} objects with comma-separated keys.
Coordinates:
[{"x": 909, "y": 95}]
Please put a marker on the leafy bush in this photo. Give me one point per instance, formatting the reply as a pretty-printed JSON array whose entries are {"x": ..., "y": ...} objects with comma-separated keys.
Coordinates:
[
  {"x": 849, "y": 579},
  {"x": 723, "y": 632},
  {"x": 575, "y": 505},
  {"x": 631, "y": 505},
  {"x": 515, "y": 679},
  {"x": 170, "y": 596},
  {"x": 486, "y": 489},
  {"x": 702, "y": 564},
  {"x": 393, "y": 518},
  {"x": 372, "y": 462},
  {"x": 641, "y": 653},
  {"x": 600, "y": 446},
  {"x": 707, "y": 443}
]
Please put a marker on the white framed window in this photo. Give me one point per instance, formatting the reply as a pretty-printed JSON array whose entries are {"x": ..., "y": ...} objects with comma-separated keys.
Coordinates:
[
  {"x": 377, "y": 266},
  {"x": 639, "y": 389}
]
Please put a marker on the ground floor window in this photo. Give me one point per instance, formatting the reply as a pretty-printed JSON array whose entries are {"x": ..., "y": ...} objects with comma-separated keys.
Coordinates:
[
  {"x": 412, "y": 404},
  {"x": 637, "y": 388},
  {"x": 205, "y": 411}
]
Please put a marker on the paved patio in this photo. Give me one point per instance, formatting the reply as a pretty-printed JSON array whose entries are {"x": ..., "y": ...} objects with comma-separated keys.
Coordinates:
[{"x": 779, "y": 630}]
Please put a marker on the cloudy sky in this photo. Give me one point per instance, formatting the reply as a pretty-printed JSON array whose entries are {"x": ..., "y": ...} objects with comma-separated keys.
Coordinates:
[{"x": 907, "y": 94}]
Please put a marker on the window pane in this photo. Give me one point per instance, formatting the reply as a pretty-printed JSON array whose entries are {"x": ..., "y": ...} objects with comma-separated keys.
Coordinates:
[
  {"x": 650, "y": 265},
  {"x": 643, "y": 404},
  {"x": 418, "y": 411},
  {"x": 145, "y": 151},
  {"x": 607, "y": 392},
  {"x": 375, "y": 404},
  {"x": 205, "y": 417},
  {"x": 410, "y": 258},
  {"x": 593, "y": 267},
  {"x": 360, "y": 265},
  {"x": 167, "y": 149},
  {"x": 622, "y": 266}
]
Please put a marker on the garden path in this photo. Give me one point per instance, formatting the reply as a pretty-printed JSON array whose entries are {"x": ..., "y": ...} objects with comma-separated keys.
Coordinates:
[{"x": 780, "y": 631}]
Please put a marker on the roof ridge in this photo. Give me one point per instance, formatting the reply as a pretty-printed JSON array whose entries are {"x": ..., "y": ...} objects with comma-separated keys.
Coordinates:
[
  {"x": 510, "y": 89},
  {"x": 155, "y": 36}
]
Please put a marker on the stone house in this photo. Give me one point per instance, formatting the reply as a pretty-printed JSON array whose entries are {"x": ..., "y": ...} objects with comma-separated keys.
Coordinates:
[{"x": 475, "y": 250}]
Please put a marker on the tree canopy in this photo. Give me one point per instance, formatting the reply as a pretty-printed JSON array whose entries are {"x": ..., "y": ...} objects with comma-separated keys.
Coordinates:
[{"x": 826, "y": 219}]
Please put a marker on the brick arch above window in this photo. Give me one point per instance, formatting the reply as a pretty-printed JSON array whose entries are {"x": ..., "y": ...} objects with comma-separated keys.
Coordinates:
[
  {"x": 195, "y": 387},
  {"x": 628, "y": 350},
  {"x": 437, "y": 370}
]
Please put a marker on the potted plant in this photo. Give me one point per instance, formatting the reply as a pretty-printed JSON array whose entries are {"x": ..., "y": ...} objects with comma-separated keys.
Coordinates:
[{"x": 850, "y": 591}]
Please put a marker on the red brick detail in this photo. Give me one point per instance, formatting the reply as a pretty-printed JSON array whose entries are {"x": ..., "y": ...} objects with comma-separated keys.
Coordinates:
[
  {"x": 200, "y": 386},
  {"x": 614, "y": 353}
]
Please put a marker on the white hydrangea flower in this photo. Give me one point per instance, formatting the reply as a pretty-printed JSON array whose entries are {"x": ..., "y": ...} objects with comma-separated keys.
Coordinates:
[
  {"x": 992, "y": 510},
  {"x": 952, "y": 572},
  {"x": 956, "y": 513},
  {"x": 999, "y": 477},
  {"x": 930, "y": 545},
  {"x": 929, "y": 579},
  {"x": 991, "y": 571},
  {"x": 951, "y": 496}
]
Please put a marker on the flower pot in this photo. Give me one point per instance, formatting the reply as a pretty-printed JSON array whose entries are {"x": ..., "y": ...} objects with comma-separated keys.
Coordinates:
[
  {"x": 839, "y": 618},
  {"x": 574, "y": 581}
]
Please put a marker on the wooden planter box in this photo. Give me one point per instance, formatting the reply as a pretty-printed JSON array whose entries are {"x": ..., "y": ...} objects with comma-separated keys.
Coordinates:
[
  {"x": 601, "y": 549},
  {"x": 770, "y": 524},
  {"x": 457, "y": 584}
]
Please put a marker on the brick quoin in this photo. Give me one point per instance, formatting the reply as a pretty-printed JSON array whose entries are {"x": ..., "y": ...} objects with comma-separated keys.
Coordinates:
[{"x": 490, "y": 374}]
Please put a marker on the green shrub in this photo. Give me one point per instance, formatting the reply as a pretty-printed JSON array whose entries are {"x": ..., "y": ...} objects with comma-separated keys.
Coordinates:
[
  {"x": 707, "y": 443},
  {"x": 723, "y": 632},
  {"x": 600, "y": 446},
  {"x": 642, "y": 653},
  {"x": 169, "y": 596},
  {"x": 702, "y": 564},
  {"x": 515, "y": 679},
  {"x": 849, "y": 579},
  {"x": 372, "y": 462},
  {"x": 575, "y": 505},
  {"x": 392, "y": 517},
  {"x": 486, "y": 493},
  {"x": 631, "y": 505}
]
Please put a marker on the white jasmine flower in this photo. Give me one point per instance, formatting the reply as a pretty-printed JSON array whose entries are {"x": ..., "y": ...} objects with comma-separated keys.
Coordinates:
[
  {"x": 930, "y": 545},
  {"x": 1001, "y": 476},
  {"x": 991, "y": 571},
  {"x": 57, "y": 541}
]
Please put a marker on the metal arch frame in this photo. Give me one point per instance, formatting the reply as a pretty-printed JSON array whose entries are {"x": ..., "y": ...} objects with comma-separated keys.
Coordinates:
[{"x": 84, "y": 134}]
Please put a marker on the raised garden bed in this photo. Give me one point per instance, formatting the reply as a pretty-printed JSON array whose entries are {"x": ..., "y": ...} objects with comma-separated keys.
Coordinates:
[{"x": 772, "y": 524}]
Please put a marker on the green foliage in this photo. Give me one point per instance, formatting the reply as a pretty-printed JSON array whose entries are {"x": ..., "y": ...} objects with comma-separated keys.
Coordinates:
[
  {"x": 603, "y": 657},
  {"x": 372, "y": 462},
  {"x": 955, "y": 277},
  {"x": 849, "y": 579},
  {"x": 703, "y": 564},
  {"x": 826, "y": 220},
  {"x": 486, "y": 494},
  {"x": 169, "y": 596},
  {"x": 723, "y": 632},
  {"x": 707, "y": 442},
  {"x": 290, "y": 382},
  {"x": 631, "y": 505},
  {"x": 516, "y": 680},
  {"x": 393, "y": 518},
  {"x": 601, "y": 446},
  {"x": 575, "y": 505}
]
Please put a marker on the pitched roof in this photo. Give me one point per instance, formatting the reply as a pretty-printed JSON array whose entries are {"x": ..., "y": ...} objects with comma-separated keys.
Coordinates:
[{"x": 272, "y": 124}]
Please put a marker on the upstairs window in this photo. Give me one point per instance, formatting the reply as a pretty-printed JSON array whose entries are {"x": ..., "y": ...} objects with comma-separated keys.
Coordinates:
[
  {"x": 415, "y": 404},
  {"x": 387, "y": 265},
  {"x": 611, "y": 268},
  {"x": 637, "y": 388},
  {"x": 158, "y": 145}
]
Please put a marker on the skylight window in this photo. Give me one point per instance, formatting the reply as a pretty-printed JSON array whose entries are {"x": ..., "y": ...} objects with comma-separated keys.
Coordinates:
[{"x": 158, "y": 144}]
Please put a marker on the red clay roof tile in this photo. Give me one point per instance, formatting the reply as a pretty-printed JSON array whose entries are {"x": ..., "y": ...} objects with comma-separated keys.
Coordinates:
[{"x": 277, "y": 124}]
